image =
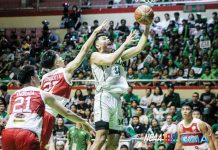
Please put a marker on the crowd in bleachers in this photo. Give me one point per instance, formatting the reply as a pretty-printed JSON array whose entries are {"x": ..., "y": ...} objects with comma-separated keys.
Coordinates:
[{"x": 177, "y": 49}]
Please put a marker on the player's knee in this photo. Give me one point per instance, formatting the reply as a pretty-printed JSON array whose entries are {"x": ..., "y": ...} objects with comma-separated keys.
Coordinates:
[{"x": 102, "y": 138}]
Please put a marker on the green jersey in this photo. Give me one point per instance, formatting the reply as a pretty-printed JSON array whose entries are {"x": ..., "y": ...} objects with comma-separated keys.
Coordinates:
[{"x": 78, "y": 139}]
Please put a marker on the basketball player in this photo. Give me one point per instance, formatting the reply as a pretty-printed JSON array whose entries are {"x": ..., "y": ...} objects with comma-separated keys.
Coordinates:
[
  {"x": 197, "y": 114},
  {"x": 26, "y": 109},
  {"x": 57, "y": 81},
  {"x": 111, "y": 84},
  {"x": 190, "y": 128}
]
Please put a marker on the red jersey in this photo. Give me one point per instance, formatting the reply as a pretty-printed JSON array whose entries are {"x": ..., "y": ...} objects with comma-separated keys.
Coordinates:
[
  {"x": 26, "y": 110},
  {"x": 56, "y": 83},
  {"x": 191, "y": 136}
]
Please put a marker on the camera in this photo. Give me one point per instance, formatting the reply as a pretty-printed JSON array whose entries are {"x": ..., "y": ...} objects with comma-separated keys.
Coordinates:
[
  {"x": 45, "y": 25},
  {"x": 66, "y": 6}
]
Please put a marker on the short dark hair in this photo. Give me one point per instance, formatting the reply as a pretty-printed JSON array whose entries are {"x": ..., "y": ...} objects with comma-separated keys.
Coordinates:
[
  {"x": 141, "y": 109},
  {"x": 98, "y": 36},
  {"x": 187, "y": 104},
  {"x": 124, "y": 146},
  {"x": 161, "y": 145},
  {"x": 4, "y": 87},
  {"x": 48, "y": 59},
  {"x": 198, "y": 110},
  {"x": 135, "y": 117},
  {"x": 25, "y": 74},
  {"x": 196, "y": 93}
]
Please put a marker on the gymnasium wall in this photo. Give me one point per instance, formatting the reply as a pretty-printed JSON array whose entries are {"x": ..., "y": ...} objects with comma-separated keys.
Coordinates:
[{"x": 30, "y": 19}]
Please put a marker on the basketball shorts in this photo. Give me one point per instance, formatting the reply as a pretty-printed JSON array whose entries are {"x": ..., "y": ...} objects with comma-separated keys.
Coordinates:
[
  {"x": 108, "y": 113},
  {"x": 47, "y": 127},
  {"x": 19, "y": 139}
]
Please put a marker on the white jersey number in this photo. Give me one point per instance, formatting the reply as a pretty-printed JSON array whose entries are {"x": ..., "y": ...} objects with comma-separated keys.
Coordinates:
[
  {"x": 49, "y": 85},
  {"x": 116, "y": 71},
  {"x": 21, "y": 101}
]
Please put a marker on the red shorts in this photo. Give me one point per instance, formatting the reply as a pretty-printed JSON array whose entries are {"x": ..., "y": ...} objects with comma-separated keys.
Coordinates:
[
  {"x": 19, "y": 139},
  {"x": 47, "y": 127}
]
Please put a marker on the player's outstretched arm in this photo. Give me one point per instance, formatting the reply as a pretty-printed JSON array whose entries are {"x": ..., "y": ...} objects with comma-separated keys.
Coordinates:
[
  {"x": 109, "y": 59},
  {"x": 133, "y": 51},
  {"x": 52, "y": 101},
  {"x": 73, "y": 65},
  {"x": 208, "y": 133},
  {"x": 178, "y": 142}
]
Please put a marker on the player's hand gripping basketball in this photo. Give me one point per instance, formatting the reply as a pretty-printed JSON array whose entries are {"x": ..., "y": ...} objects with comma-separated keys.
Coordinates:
[{"x": 102, "y": 26}]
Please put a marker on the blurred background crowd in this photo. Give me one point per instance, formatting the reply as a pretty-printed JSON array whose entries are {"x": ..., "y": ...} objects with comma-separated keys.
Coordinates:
[{"x": 178, "y": 48}]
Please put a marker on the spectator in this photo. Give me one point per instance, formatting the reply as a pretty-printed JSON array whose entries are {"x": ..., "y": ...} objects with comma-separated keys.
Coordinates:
[
  {"x": 5, "y": 94},
  {"x": 60, "y": 129},
  {"x": 3, "y": 117},
  {"x": 75, "y": 18},
  {"x": 95, "y": 22},
  {"x": 145, "y": 74},
  {"x": 165, "y": 23},
  {"x": 161, "y": 147},
  {"x": 173, "y": 112},
  {"x": 130, "y": 96},
  {"x": 123, "y": 29},
  {"x": 77, "y": 95},
  {"x": 85, "y": 29},
  {"x": 131, "y": 74},
  {"x": 59, "y": 145},
  {"x": 157, "y": 96},
  {"x": 138, "y": 127},
  {"x": 171, "y": 97},
  {"x": 169, "y": 126},
  {"x": 208, "y": 75},
  {"x": 146, "y": 100},
  {"x": 124, "y": 147},
  {"x": 212, "y": 20},
  {"x": 154, "y": 127},
  {"x": 196, "y": 103},
  {"x": 198, "y": 67},
  {"x": 142, "y": 117},
  {"x": 78, "y": 138},
  {"x": 90, "y": 96},
  {"x": 191, "y": 75},
  {"x": 82, "y": 106},
  {"x": 207, "y": 98}
]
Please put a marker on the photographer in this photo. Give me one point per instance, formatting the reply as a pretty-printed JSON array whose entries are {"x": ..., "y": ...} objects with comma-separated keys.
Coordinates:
[
  {"x": 48, "y": 38},
  {"x": 75, "y": 18},
  {"x": 71, "y": 37},
  {"x": 65, "y": 18}
]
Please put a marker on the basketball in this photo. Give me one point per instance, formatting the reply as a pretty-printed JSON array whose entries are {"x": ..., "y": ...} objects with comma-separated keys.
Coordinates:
[{"x": 144, "y": 14}]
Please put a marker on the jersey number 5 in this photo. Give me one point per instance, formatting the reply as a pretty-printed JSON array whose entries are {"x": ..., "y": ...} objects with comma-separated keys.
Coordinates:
[{"x": 22, "y": 105}]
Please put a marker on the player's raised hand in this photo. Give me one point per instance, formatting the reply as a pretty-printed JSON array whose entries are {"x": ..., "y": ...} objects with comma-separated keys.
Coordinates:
[
  {"x": 103, "y": 25},
  {"x": 131, "y": 37}
]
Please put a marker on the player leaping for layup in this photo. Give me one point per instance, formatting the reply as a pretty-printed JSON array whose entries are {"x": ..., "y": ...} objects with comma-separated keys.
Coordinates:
[
  {"x": 110, "y": 85},
  {"x": 58, "y": 80}
]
